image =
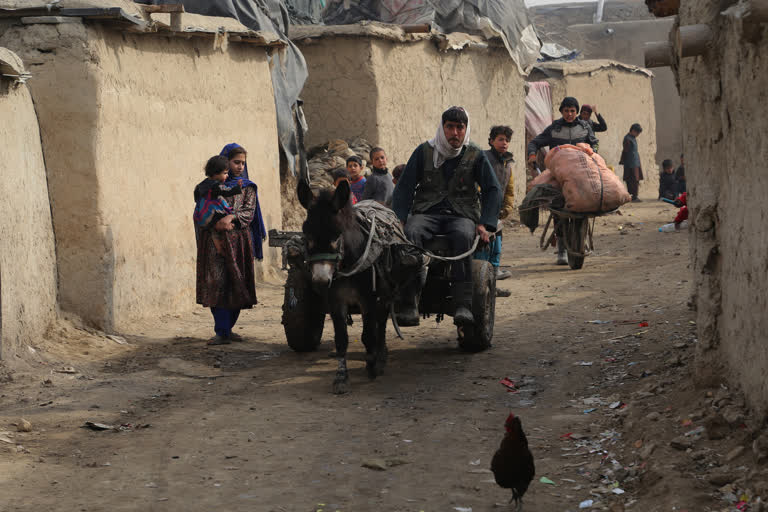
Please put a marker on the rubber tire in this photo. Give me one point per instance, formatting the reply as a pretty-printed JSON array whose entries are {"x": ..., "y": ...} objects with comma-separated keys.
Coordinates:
[
  {"x": 303, "y": 320},
  {"x": 576, "y": 230},
  {"x": 478, "y": 336}
]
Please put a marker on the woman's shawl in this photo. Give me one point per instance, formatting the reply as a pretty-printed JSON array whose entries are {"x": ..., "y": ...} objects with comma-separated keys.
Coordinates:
[{"x": 257, "y": 224}]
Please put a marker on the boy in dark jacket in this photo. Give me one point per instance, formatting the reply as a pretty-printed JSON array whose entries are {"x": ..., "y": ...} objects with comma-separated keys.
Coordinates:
[{"x": 667, "y": 180}]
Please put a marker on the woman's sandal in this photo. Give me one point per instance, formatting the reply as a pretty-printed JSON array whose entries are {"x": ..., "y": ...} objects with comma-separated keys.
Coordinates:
[{"x": 218, "y": 340}]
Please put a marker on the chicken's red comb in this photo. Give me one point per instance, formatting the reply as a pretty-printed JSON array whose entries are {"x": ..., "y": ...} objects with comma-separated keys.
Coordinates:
[{"x": 511, "y": 416}]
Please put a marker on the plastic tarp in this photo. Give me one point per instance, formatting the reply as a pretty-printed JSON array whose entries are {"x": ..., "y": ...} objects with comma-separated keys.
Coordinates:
[
  {"x": 305, "y": 12},
  {"x": 553, "y": 51},
  {"x": 398, "y": 12},
  {"x": 289, "y": 69},
  {"x": 538, "y": 107},
  {"x": 507, "y": 19}
]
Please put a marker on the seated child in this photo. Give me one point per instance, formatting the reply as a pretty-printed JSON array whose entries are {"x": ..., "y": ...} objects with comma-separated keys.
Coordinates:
[
  {"x": 667, "y": 181},
  {"x": 210, "y": 205},
  {"x": 356, "y": 178},
  {"x": 397, "y": 172},
  {"x": 379, "y": 186},
  {"x": 682, "y": 214},
  {"x": 339, "y": 175}
]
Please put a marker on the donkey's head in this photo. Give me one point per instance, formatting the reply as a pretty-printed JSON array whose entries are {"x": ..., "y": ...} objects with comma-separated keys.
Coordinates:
[{"x": 329, "y": 216}]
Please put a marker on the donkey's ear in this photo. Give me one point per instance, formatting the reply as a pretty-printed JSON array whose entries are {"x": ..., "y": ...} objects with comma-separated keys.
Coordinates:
[
  {"x": 341, "y": 195},
  {"x": 305, "y": 194}
]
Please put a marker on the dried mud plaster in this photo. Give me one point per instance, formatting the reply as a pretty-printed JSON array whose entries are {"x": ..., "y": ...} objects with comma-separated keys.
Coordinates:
[
  {"x": 127, "y": 123},
  {"x": 723, "y": 97}
]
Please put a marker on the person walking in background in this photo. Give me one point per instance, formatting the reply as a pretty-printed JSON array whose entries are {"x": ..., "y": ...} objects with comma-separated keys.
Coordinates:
[
  {"x": 630, "y": 159},
  {"x": 501, "y": 160},
  {"x": 680, "y": 176},
  {"x": 379, "y": 186},
  {"x": 569, "y": 129},
  {"x": 586, "y": 114}
]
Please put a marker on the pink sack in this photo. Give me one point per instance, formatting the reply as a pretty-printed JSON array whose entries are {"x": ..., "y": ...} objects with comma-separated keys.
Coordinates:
[
  {"x": 545, "y": 178},
  {"x": 588, "y": 184}
]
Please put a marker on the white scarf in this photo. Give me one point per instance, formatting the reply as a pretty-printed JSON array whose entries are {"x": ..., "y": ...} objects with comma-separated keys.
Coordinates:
[{"x": 443, "y": 150}]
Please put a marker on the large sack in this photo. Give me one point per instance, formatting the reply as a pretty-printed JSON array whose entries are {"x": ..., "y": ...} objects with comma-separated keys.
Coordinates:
[
  {"x": 587, "y": 182},
  {"x": 545, "y": 178}
]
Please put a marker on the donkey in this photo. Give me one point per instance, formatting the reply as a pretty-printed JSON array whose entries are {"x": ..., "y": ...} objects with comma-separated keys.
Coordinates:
[{"x": 335, "y": 240}]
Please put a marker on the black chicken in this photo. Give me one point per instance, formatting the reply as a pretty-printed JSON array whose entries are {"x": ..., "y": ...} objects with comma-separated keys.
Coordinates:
[{"x": 512, "y": 464}]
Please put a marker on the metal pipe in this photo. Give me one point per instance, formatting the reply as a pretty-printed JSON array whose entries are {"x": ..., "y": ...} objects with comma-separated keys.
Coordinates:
[
  {"x": 599, "y": 11},
  {"x": 658, "y": 54}
]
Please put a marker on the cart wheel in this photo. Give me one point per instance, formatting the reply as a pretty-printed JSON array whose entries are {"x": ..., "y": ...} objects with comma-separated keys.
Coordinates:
[
  {"x": 303, "y": 313},
  {"x": 478, "y": 336},
  {"x": 576, "y": 230}
]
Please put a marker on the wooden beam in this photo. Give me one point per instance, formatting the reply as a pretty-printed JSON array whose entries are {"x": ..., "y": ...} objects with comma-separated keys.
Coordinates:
[
  {"x": 166, "y": 8},
  {"x": 421, "y": 28},
  {"x": 693, "y": 40},
  {"x": 658, "y": 54}
]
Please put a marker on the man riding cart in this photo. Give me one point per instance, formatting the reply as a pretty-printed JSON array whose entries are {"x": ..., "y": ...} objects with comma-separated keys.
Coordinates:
[
  {"x": 569, "y": 129},
  {"x": 437, "y": 197}
]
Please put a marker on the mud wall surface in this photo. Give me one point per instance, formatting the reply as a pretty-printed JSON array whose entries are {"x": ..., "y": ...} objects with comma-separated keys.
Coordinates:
[
  {"x": 27, "y": 253},
  {"x": 128, "y": 122},
  {"x": 393, "y": 94},
  {"x": 723, "y": 94},
  {"x": 623, "y": 98}
]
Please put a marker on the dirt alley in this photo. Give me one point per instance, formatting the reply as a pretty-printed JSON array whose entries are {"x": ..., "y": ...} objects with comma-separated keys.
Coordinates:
[{"x": 253, "y": 426}]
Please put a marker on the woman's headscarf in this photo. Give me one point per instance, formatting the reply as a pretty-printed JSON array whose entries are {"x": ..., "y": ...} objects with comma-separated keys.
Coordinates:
[
  {"x": 257, "y": 224},
  {"x": 443, "y": 150}
]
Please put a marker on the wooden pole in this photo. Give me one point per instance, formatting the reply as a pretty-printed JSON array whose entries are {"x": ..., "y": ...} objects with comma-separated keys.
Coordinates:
[
  {"x": 658, "y": 54},
  {"x": 693, "y": 40},
  {"x": 416, "y": 29},
  {"x": 175, "y": 10},
  {"x": 176, "y": 25}
]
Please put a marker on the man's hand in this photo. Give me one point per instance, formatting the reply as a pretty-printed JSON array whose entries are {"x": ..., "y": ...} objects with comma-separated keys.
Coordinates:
[
  {"x": 225, "y": 223},
  {"x": 594, "y": 110},
  {"x": 485, "y": 236}
]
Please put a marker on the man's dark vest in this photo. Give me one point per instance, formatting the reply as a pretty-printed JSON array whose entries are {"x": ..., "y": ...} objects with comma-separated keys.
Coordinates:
[{"x": 461, "y": 191}]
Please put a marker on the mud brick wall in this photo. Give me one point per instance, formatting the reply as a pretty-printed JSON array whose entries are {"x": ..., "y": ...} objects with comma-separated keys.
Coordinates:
[
  {"x": 723, "y": 96},
  {"x": 393, "y": 93},
  {"x": 27, "y": 253},
  {"x": 127, "y": 122}
]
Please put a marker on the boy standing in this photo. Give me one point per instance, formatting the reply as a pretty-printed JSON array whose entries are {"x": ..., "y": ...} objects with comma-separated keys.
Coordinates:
[
  {"x": 630, "y": 159},
  {"x": 356, "y": 178},
  {"x": 501, "y": 160},
  {"x": 379, "y": 186}
]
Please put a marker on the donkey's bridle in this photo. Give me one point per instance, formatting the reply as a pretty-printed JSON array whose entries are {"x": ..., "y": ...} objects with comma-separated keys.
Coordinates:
[{"x": 334, "y": 257}]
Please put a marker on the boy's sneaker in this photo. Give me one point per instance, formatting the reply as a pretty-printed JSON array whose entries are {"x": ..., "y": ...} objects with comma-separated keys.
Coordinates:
[
  {"x": 502, "y": 274},
  {"x": 503, "y": 292}
]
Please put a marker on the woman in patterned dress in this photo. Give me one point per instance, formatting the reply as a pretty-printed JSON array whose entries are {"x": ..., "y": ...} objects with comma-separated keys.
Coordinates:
[{"x": 226, "y": 279}]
